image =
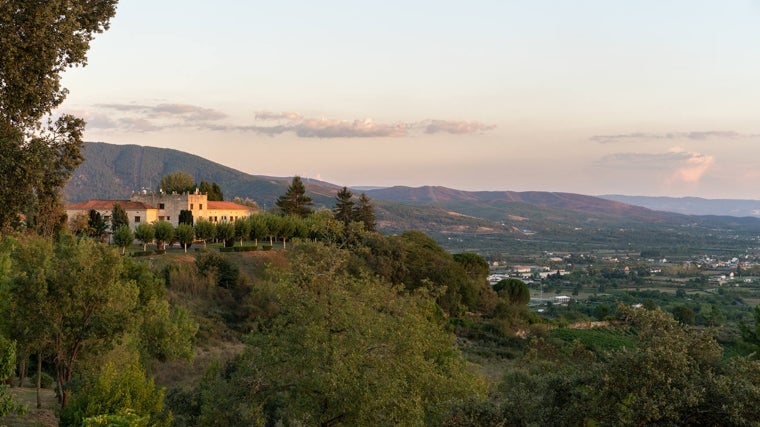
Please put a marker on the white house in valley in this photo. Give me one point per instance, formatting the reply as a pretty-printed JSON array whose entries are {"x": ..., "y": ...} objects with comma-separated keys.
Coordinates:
[{"x": 150, "y": 207}]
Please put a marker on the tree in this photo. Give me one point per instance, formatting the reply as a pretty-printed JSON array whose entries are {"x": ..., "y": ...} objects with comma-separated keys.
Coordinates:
[
  {"x": 97, "y": 225},
  {"x": 242, "y": 229},
  {"x": 514, "y": 290},
  {"x": 79, "y": 225},
  {"x": 27, "y": 299},
  {"x": 118, "y": 217},
  {"x": 119, "y": 391},
  {"x": 7, "y": 363},
  {"x": 426, "y": 265},
  {"x": 185, "y": 235},
  {"x": 185, "y": 217},
  {"x": 259, "y": 228},
  {"x": 38, "y": 42},
  {"x": 89, "y": 305},
  {"x": 212, "y": 191},
  {"x": 225, "y": 231},
  {"x": 164, "y": 333},
  {"x": 246, "y": 202},
  {"x": 295, "y": 201},
  {"x": 145, "y": 233},
  {"x": 273, "y": 225},
  {"x": 164, "y": 232},
  {"x": 179, "y": 182},
  {"x": 364, "y": 212},
  {"x": 332, "y": 354},
  {"x": 344, "y": 206},
  {"x": 683, "y": 314},
  {"x": 123, "y": 237},
  {"x": 477, "y": 294},
  {"x": 213, "y": 264},
  {"x": 287, "y": 228},
  {"x": 205, "y": 230}
]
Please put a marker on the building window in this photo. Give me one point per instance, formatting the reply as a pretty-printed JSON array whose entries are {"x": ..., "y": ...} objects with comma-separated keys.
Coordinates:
[
  {"x": 200, "y": 206},
  {"x": 168, "y": 218},
  {"x": 160, "y": 217},
  {"x": 191, "y": 206},
  {"x": 160, "y": 205},
  {"x": 137, "y": 219}
]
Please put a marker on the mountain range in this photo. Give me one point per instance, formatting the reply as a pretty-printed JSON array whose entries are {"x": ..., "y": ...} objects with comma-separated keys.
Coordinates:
[
  {"x": 692, "y": 205},
  {"x": 483, "y": 221}
]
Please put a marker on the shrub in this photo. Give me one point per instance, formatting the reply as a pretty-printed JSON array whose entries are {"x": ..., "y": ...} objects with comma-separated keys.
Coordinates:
[
  {"x": 140, "y": 253},
  {"x": 266, "y": 248},
  {"x": 46, "y": 380}
]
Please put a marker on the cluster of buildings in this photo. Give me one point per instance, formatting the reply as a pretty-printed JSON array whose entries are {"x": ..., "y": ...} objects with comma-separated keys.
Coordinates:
[{"x": 150, "y": 207}]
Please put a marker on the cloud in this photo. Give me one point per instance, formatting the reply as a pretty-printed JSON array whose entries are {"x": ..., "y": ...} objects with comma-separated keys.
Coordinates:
[
  {"x": 673, "y": 167},
  {"x": 189, "y": 112},
  {"x": 693, "y": 135},
  {"x": 137, "y": 125},
  {"x": 184, "y": 112},
  {"x": 456, "y": 127},
  {"x": 696, "y": 166},
  {"x": 151, "y": 118},
  {"x": 327, "y": 128},
  {"x": 285, "y": 115},
  {"x": 124, "y": 107},
  {"x": 366, "y": 128}
]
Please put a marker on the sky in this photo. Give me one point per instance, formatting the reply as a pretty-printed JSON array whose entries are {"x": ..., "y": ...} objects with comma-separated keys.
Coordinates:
[{"x": 646, "y": 97}]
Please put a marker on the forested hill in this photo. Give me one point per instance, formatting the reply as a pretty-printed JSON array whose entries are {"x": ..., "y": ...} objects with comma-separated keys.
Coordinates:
[{"x": 115, "y": 171}]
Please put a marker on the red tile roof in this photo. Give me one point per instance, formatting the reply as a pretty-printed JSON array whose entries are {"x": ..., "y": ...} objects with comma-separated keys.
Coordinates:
[
  {"x": 104, "y": 205},
  {"x": 229, "y": 206}
]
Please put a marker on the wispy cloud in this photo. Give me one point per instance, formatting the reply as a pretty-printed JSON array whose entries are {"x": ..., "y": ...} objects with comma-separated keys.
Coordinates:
[
  {"x": 166, "y": 114},
  {"x": 693, "y": 135},
  {"x": 151, "y": 118},
  {"x": 283, "y": 115},
  {"x": 456, "y": 127},
  {"x": 366, "y": 128},
  {"x": 131, "y": 124}
]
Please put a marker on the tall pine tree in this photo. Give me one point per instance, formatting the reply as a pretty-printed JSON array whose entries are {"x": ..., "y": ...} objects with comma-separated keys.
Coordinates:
[
  {"x": 344, "y": 206},
  {"x": 295, "y": 201},
  {"x": 365, "y": 212}
]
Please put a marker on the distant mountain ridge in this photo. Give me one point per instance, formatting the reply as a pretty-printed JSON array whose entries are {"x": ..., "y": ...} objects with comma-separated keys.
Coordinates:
[
  {"x": 693, "y": 205},
  {"x": 482, "y": 221}
]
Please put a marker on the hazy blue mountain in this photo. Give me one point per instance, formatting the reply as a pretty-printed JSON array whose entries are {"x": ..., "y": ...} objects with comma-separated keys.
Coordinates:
[{"x": 692, "y": 205}]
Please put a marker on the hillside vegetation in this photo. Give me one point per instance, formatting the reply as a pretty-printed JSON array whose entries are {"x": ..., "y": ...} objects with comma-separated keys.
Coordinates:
[{"x": 364, "y": 329}]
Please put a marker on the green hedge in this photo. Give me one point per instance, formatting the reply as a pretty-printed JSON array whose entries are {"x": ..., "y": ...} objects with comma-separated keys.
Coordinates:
[
  {"x": 140, "y": 253},
  {"x": 239, "y": 249}
]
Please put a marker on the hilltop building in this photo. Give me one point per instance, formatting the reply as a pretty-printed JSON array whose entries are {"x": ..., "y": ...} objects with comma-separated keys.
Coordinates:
[{"x": 149, "y": 207}]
